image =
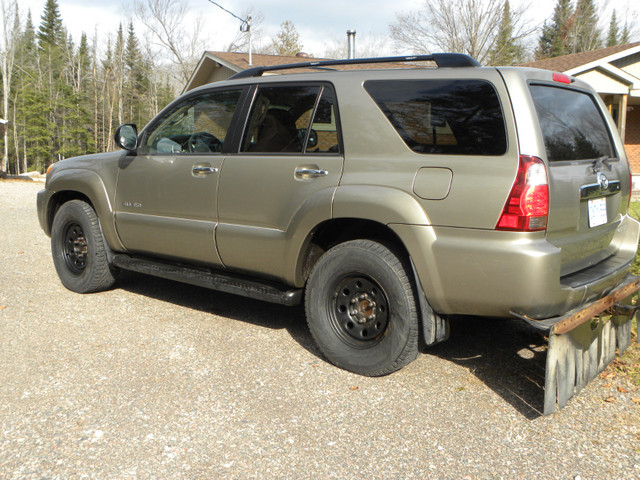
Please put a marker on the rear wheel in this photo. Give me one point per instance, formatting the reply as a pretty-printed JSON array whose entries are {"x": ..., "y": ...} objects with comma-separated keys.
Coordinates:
[
  {"x": 78, "y": 249},
  {"x": 361, "y": 308}
]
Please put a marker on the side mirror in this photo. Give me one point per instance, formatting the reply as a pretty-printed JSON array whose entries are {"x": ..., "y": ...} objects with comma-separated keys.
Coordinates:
[{"x": 126, "y": 137}]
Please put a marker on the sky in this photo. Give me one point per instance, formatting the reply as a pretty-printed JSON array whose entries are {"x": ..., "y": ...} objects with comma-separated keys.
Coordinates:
[{"x": 320, "y": 23}]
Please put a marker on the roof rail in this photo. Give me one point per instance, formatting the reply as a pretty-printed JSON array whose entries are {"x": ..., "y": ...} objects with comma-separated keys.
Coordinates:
[{"x": 442, "y": 60}]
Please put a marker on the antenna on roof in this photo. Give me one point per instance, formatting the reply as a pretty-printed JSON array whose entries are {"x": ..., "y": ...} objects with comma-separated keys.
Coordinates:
[{"x": 245, "y": 26}]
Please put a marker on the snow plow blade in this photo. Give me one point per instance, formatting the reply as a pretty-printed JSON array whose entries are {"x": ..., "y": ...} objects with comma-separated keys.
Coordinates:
[{"x": 583, "y": 342}]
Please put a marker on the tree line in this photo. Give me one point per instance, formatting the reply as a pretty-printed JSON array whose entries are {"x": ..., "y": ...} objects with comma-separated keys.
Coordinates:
[
  {"x": 62, "y": 99},
  {"x": 496, "y": 34}
]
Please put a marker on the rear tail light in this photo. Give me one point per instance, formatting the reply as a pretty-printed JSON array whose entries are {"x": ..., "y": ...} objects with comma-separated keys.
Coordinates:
[{"x": 527, "y": 207}]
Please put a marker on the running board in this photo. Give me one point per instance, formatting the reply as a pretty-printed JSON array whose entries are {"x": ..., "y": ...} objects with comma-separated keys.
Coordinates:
[{"x": 222, "y": 282}]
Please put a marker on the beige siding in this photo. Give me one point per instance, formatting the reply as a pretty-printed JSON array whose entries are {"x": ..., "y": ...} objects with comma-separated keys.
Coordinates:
[
  {"x": 630, "y": 64},
  {"x": 604, "y": 83}
]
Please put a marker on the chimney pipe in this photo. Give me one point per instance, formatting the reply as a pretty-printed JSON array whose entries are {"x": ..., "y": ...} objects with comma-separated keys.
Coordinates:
[{"x": 351, "y": 44}]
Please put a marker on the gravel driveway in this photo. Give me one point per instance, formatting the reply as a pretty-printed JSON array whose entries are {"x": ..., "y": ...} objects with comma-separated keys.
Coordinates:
[{"x": 161, "y": 380}]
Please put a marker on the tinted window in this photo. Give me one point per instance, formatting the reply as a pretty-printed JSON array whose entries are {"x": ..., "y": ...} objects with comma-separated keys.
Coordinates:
[
  {"x": 323, "y": 137},
  {"x": 572, "y": 125},
  {"x": 461, "y": 117},
  {"x": 279, "y": 119},
  {"x": 198, "y": 125}
]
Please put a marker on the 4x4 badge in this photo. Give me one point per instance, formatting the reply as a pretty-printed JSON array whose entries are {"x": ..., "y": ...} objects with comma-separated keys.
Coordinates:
[{"x": 603, "y": 181}]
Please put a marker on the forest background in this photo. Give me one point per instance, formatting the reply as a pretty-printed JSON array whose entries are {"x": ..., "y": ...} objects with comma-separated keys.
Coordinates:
[{"x": 62, "y": 98}]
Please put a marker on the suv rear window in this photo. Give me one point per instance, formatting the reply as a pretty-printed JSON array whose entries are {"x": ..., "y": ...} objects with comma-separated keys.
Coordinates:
[
  {"x": 457, "y": 117},
  {"x": 572, "y": 125}
]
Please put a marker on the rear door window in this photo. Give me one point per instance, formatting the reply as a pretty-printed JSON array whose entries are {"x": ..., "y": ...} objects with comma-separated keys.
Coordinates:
[
  {"x": 572, "y": 125},
  {"x": 457, "y": 117},
  {"x": 292, "y": 119}
]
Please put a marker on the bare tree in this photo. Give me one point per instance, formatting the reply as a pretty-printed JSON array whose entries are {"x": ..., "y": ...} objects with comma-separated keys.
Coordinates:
[
  {"x": 463, "y": 26},
  {"x": 174, "y": 31},
  {"x": 10, "y": 33}
]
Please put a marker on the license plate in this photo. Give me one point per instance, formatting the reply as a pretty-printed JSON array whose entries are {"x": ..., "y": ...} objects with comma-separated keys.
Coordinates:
[{"x": 597, "y": 212}]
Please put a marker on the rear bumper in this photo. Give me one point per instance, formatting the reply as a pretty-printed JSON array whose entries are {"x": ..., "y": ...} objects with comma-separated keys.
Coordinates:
[
  {"x": 576, "y": 317},
  {"x": 492, "y": 273}
]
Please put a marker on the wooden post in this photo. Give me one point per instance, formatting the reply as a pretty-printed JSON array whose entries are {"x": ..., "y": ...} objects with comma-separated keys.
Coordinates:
[{"x": 622, "y": 116}]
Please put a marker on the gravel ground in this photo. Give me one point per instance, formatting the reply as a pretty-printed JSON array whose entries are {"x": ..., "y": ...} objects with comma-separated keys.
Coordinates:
[{"x": 156, "y": 379}]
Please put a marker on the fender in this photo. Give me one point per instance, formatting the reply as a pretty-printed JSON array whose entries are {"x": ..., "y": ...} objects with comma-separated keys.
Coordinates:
[
  {"x": 399, "y": 211},
  {"x": 381, "y": 204},
  {"x": 91, "y": 185}
]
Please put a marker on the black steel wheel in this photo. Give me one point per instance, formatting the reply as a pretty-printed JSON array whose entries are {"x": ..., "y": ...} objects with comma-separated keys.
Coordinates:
[
  {"x": 361, "y": 309},
  {"x": 78, "y": 249},
  {"x": 358, "y": 310},
  {"x": 74, "y": 248}
]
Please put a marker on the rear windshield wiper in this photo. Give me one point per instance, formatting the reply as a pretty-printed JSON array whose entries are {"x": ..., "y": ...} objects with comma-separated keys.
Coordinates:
[{"x": 599, "y": 162}]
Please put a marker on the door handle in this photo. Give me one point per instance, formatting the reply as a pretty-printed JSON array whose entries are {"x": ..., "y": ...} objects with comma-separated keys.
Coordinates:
[
  {"x": 310, "y": 172},
  {"x": 201, "y": 169}
]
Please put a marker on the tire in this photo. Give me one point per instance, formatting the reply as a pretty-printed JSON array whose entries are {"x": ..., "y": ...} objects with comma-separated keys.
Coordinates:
[
  {"x": 361, "y": 309},
  {"x": 78, "y": 249}
]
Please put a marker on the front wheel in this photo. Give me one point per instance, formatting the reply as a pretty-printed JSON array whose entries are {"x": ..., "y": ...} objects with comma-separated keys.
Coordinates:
[
  {"x": 78, "y": 249},
  {"x": 361, "y": 309}
]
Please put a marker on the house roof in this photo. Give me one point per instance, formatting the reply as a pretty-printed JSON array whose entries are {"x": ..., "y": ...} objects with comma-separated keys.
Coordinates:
[
  {"x": 573, "y": 61},
  {"x": 237, "y": 62},
  {"x": 240, "y": 61}
]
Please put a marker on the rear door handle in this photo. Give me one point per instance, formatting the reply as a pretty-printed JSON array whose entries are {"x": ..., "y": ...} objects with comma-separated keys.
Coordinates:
[
  {"x": 304, "y": 172},
  {"x": 202, "y": 169}
]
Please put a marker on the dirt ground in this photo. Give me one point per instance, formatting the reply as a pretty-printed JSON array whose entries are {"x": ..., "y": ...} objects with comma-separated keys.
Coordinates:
[{"x": 155, "y": 379}]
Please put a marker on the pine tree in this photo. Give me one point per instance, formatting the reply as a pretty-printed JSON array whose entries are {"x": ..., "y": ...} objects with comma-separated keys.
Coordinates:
[
  {"x": 556, "y": 36},
  {"x": 613, "y": 35},
  {"x": 506, "y": 50},
  {"x": 51, "y": 31},
  {"x": 31, "y": 103},
  {"x": 586, "y": 34},
  {"x": 624, "y": 36},
  {"x": 287, "y": 41},
  {"x": 136, "y": 81}
]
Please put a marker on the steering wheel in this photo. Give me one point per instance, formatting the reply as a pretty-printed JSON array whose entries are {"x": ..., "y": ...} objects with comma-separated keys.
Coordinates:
[{"x": 203, "y": 142}]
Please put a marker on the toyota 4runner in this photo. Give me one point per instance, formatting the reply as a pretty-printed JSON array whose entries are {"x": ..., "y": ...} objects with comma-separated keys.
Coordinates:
[{"x": 385, "y": 199}]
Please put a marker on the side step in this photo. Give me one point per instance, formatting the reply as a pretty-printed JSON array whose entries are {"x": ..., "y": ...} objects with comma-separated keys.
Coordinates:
[{"x": 222, "y": 282}]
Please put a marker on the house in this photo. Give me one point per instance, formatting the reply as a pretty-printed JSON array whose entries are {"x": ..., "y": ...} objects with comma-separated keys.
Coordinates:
[
  {"x": 217, "y": 66},
  {"x": 614, "y": 72}
]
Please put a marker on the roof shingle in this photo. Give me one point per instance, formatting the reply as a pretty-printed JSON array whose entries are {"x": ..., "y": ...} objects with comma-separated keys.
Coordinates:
[{"x": 568, "y": 62}]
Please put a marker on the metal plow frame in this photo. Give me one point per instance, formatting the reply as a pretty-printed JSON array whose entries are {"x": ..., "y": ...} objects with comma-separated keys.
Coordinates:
[{"x": 583, "y": 343}]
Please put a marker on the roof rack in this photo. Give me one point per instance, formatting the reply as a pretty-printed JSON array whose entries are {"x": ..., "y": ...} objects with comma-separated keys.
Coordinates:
[{"x": 442, "y": 60}]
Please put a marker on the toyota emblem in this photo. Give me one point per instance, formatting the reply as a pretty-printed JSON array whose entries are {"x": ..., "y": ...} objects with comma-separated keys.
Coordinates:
[{"x": 603, "y": 181}]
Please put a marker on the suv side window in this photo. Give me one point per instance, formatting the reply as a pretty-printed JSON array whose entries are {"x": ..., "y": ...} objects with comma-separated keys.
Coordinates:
[
  {"x": 323, "y": 136},
  {"x": 198, "y": 125},
  {"x": 292, "y": 119},
  {"x": 456, "y": 117}
]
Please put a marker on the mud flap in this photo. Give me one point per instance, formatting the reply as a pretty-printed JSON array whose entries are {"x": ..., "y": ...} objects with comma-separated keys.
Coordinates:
[{"x": 584, "y": 343}]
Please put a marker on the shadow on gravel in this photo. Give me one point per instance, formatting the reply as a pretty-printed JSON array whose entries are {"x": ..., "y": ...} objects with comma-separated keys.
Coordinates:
[
  {"x": 506, "y": 355},
  {"x": 262, "y": 314}
]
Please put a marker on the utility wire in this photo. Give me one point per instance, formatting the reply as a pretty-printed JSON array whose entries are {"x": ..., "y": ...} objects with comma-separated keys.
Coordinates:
[{"x": 229, "y": 12}]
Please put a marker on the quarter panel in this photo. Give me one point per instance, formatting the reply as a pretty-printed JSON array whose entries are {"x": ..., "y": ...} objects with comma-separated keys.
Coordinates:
[{"x": 377, "y": 155}]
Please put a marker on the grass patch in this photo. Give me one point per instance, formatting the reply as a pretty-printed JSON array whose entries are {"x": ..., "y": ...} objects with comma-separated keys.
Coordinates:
[{"x": 628, "y": 366}]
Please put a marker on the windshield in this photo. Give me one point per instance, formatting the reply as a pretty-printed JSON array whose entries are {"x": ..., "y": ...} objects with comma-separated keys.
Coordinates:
[{"x": 572, "y": 125}]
